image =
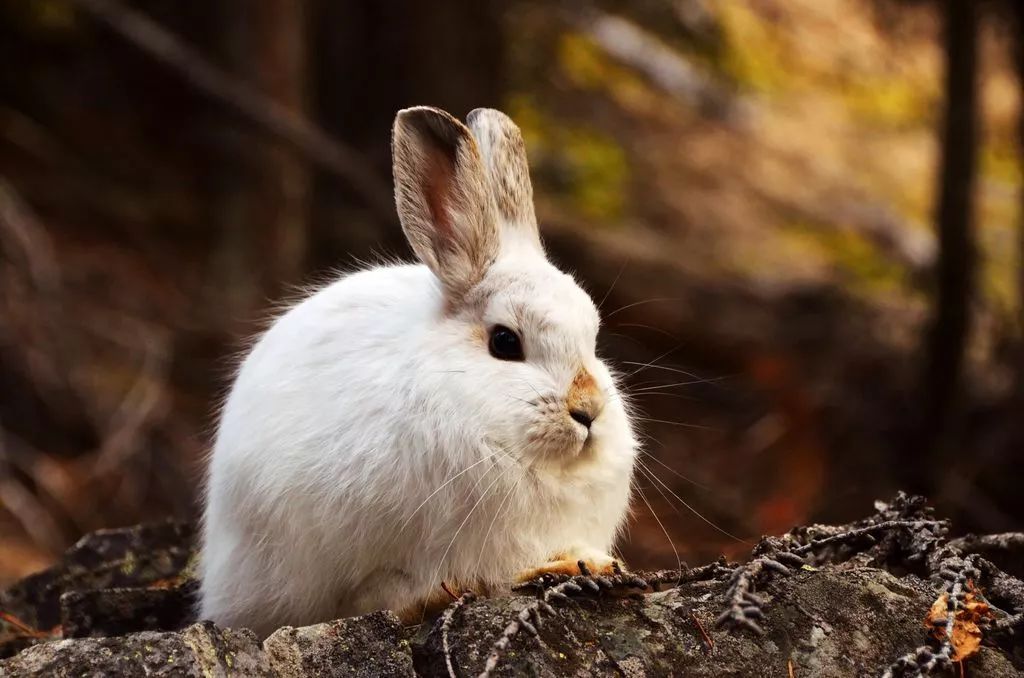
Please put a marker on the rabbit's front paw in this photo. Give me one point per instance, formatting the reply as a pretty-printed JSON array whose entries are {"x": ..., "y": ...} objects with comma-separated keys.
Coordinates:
[{"x": 592, "y": 563}]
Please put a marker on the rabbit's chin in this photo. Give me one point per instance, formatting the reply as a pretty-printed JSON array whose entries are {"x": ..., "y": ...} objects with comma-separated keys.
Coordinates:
[{"x": 570, "y": 447}]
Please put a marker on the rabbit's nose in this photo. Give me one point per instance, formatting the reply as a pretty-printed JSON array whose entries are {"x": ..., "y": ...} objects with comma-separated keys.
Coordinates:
[
  {"x": 584, "y": 399},
  {"x": 582, "y": 417}
]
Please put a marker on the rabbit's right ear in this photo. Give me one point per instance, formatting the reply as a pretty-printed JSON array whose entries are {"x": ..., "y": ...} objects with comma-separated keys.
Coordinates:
[
  {"x": 504, "y": 153},
  {"x": 443, "y": 197}
]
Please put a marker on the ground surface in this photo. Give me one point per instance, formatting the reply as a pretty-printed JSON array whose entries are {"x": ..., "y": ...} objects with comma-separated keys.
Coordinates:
[{"x": 821, "y": 601}]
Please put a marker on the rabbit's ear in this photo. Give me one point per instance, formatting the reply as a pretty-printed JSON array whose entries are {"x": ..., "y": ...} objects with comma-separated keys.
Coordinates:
[
  {"x": 504, "y": 154},
  {"x": 443, "y": 199}
]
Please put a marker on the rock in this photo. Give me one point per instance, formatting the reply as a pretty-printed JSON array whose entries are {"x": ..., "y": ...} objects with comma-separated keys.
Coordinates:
[
  {"x": 130, "y": 557},
  {"x": 370, "y": 646},
  {"x": 121, "y": 603},
  {"x": 115, "y": 612},
  {"x": 831, "y": 622},
  {"x": 200, "y": 650}
]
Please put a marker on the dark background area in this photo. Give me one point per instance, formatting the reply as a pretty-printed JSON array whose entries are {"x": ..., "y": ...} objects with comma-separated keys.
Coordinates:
[{"x": 803, "y": 219}]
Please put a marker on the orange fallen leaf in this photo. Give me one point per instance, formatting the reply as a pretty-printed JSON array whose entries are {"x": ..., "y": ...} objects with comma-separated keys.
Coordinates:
[
  {"x": 966, "y": 638},
  {"x": 938, "y": 614},
  {"x": 12, "y": 627}
]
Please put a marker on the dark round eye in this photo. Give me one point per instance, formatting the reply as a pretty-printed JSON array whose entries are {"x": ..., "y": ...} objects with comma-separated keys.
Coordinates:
[{"x": 505, "y": 344}]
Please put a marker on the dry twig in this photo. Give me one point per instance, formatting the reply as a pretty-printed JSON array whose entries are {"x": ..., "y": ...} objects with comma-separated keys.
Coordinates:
[
  {"x": 446, "y": 624},
  {"x": 556, "y": 589},
  {"x": 258, "y": 109}
]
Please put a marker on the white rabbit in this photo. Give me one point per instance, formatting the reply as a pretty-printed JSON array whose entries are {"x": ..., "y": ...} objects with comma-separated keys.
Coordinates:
[{"x": 410, "y": 426}]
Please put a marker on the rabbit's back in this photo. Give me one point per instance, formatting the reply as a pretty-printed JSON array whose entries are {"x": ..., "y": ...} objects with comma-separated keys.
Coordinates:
[
  {"x": 323, "y": 361},
  {"x": 307, "y": 430}
]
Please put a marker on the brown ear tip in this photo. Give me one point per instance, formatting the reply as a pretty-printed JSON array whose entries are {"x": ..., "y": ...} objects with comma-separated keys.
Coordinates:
[
  {"x": 431, "y": 122},
  {"x": 418, "y": 112},
  {"x": 479, "y": 114}
]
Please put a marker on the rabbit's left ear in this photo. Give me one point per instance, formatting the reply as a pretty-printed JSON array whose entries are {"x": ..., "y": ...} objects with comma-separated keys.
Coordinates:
[
  {"x": 443, "y": 198},
  {"x": 504, "y": 157}
]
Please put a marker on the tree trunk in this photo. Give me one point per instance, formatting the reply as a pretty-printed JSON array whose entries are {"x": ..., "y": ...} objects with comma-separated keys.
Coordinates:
[
  {"x": 948, "y": 334},
  {"x": 265, "y": 183},
  {"x": 1017, "y": 45},
  {"x": 372, "y": 60}
]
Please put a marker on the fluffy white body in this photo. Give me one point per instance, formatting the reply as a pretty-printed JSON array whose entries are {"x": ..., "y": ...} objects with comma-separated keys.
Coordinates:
[{"x": 372, "y": 447}]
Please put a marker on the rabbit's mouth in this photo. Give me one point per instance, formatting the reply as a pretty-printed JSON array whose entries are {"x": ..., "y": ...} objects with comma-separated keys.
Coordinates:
[{"x": 558, "y": 441}]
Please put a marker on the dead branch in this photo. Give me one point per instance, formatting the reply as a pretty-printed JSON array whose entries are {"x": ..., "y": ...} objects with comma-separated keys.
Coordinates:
[
  {"x": 446, "y": 626},
  {"x": 318, "y": 146},
  {"x": 560, "y": 589},
  {"x": 626, "y": 42}
]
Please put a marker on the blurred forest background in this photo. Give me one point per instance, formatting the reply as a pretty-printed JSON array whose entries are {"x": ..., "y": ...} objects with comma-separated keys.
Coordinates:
[{"x": 804, "y": 218}]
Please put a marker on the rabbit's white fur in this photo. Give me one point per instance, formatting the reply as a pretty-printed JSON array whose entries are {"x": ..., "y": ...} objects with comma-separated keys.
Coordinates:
[{"x": 372, "y": 448}]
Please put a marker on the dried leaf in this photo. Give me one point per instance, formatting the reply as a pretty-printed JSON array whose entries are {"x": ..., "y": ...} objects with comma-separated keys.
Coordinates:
[
  {"x": 937, "y": 615},
  {"x": 966, "y": 630}
]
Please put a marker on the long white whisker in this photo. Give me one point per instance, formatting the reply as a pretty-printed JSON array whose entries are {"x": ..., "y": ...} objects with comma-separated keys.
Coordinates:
[
  {"x": 497, "y": 512},
  {"x": 691, "y": 382},
  {"x": 678, "y": 423},
  {"x": 465, "y": 520},
  {"x": 679, "y": 562},
  {"x": 647, "y": 473},
  {"x": 675, "y": 472},
  {"x": 696, "y": 512},
  {"x": 640, "y": 303},
  {"x": 617, "y": 276},
  {"x": 677, "y": 396},
  {"x": 533, "y": 387},
  {"x": 652, "y": 328},
  {"x": 644, "y": 366},
  {"x": 445, "y": 484},
  {"x": 697, "y": 377}
]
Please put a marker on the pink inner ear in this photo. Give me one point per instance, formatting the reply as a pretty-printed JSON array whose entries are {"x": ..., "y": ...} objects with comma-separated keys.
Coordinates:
[{"x": 437, "y": 187}]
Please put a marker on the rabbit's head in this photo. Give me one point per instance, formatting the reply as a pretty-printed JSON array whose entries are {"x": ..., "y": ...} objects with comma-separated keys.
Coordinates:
[{"x": 518, "y": 336}]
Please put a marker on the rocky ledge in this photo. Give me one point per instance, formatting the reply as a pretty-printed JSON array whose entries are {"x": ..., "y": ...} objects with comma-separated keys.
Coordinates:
[{"x": 887, "y": 595}]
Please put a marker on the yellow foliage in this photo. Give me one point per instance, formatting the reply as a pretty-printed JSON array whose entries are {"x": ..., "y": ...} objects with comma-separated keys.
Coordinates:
[
  {"x": 594, "y": 167},
  {"x": 867, "y": 270},
  {"x": 755, "y": 54}
]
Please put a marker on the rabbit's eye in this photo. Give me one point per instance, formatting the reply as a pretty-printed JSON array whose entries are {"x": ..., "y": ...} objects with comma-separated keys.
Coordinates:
[{"x": 505, "y": 344}]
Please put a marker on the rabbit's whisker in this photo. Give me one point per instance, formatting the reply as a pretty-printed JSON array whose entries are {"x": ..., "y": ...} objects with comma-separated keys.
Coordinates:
[
  {"x": 445, "y": 484},
  {"x": 675, "y": 551},
  {"x": 676, "y": 384},
  {"x": 640, "y": 303},
  {"x": 469, "y": 514},
  {"x": 625, "y": 336},
  {"x": 650, "y": 327},
  {"x": 644, "y": 366},
  {"x": 531, "y": 403},
  {"x": 675, "y": 472},
  {"x": 697, "y": 378},
  {"x": 533, "y": 388},
  {"x": 647, "y": 474},
  {"x": 678, "y": 423},
  {"x": 497, "y": 513},
  {"x": 678, "y": 396},
  {"x": 692, "y": 510},
  {"x": 614, "y": 282}
]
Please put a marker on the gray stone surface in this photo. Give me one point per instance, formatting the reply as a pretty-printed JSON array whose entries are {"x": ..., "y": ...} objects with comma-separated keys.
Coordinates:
[
  {"x": 829, "y": 622},
  {"x": 121, "y": 604}
]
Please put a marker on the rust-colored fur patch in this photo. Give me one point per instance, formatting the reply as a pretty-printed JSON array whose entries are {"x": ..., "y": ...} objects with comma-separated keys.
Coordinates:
[
  {"x": 584, "y": 393},
  {"x": 437, "y": 601},
  {"x": 479, "y": 334},
  {"x": 425, "y": 609},
  {"x": 568, "y": 566}
]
